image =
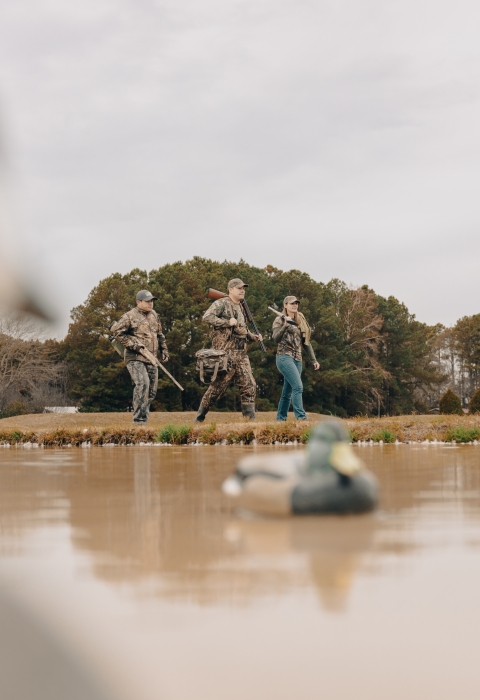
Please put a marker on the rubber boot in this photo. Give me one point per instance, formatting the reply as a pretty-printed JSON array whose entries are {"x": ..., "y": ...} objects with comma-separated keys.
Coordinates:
[
  {"x": 248, "y": 410},
  {"x": 202, "y": 412}
]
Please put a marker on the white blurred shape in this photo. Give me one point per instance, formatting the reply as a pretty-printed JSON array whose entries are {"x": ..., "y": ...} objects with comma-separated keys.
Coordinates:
[
  {"x": 35, "y": 664},
  {"x": 17, "y": 290}
]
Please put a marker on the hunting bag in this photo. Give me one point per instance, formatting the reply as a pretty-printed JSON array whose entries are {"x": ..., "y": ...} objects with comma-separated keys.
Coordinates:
[{"x": 211, "y": 363}]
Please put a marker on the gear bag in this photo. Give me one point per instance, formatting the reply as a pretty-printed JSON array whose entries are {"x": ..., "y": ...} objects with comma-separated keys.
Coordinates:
[{"x": 211, "y": 363}]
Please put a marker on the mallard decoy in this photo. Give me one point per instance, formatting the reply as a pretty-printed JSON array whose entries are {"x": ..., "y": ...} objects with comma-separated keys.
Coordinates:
[{"x": 326, "y": 478}]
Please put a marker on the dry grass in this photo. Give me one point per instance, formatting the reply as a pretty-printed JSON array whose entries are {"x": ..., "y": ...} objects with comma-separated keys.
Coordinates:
[
  {"x": 71, "y": 421},
  {"x": 55, "y": 430},
  {"x": 78, "y": 429},
  {"x": 415, "y": 428}
]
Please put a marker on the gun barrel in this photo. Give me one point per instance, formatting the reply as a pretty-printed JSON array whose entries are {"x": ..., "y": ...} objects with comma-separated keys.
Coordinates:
[
  {"x": 279, "y": 313},
  {"x": 285, "y": 318},
  {"x": 150, "y": 356},
  {"x": 215, "y": 294},
  {"x": 250, "y": 318}
]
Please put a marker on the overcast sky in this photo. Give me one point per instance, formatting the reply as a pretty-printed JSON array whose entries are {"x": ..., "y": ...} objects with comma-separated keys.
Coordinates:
[{"x": 341, "y": 138}]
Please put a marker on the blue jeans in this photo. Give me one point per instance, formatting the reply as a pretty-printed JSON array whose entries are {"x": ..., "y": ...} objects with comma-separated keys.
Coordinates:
[{"x": 292, "y": 388}]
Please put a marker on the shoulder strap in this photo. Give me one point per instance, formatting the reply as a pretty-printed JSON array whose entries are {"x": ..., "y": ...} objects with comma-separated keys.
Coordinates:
[
  {"x": 216, "y": 370},
  {"x": 230, "y": 307},
  {"x": 304, "y": 328}
]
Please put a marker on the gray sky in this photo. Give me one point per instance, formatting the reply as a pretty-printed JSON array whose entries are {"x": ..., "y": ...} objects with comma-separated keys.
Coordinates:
[{"x": 340, "y": 138}]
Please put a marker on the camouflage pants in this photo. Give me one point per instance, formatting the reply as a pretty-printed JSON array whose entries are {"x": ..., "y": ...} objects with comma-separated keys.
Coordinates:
[
  {"x": 241, "y": 375},
  {"x": 145, "y": 379}
]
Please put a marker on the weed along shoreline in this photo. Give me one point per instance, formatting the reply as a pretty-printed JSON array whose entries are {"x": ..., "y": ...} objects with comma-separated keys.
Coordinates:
[{"x": 109, "y": 429}]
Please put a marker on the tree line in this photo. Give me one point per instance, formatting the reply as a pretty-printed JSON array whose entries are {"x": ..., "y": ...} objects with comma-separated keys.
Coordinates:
[
  {"x": 375, "y": 357},
  {"x": 32, "y": 372}
]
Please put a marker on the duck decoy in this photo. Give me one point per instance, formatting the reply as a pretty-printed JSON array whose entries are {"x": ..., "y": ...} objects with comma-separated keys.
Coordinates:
[{"x": 327, "y": 477}]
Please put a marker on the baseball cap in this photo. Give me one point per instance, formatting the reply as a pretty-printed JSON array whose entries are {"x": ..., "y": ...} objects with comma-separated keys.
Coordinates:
[
  {"x": 237, "y": 282},
  {"x": 145, "y": 295},
  {"x": 290, "y": 300}
]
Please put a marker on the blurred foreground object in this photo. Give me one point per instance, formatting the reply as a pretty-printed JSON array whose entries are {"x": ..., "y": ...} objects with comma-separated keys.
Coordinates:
[
  {"x": 35, "y": 665},
  {"x": 326, "y": 478},
  {"x": 17, "y": 291}
]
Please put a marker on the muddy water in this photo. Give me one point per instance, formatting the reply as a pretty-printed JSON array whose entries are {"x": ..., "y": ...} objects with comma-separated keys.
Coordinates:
[{"x": 135, "y": 558}]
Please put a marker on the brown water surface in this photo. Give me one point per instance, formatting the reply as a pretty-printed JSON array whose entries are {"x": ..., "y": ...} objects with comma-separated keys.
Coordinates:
[{"x": 134, "y": 555}]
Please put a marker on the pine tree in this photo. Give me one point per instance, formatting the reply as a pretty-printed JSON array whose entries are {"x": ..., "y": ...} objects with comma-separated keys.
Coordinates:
[
  {"x": 474, "y": 405},
  {"x": 450, "y": 403}
]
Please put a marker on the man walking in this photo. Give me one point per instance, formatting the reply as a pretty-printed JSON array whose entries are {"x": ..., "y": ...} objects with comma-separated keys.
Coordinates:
[
  {"x": 137, "y": 329},
  {"x": 230, "y": 333}
]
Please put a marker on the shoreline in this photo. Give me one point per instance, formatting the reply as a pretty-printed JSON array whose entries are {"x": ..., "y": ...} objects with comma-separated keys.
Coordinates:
[
  {"x": 83, "y": 445},
  {"x": 109, "y": 429}
]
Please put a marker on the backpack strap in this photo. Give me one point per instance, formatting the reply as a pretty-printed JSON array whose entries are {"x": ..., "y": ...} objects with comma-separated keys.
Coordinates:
[
  {"x": 202, "y": 378},
  {"x": 232, "y": 315},
  {"x": 216, "y": 370}
]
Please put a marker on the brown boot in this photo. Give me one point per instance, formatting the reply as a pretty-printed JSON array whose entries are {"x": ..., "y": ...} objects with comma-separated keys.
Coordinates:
[
  {"x": 202, "y": 412},
  {"x": 248, "y": 410}
]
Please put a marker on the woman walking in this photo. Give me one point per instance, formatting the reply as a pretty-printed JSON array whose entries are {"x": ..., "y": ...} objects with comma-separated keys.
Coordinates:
[{"x": 290, "y": 339}]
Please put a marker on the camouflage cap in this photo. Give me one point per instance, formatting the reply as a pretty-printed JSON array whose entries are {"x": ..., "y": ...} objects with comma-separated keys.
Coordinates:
[
  {"x": 145, "y": 295},
  {"x": 290, "y": 300},
  {"x": 237, "y": 282}
]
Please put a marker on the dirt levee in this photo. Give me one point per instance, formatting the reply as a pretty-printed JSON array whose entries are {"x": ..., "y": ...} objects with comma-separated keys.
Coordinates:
[{"x": 50, "y": 421}]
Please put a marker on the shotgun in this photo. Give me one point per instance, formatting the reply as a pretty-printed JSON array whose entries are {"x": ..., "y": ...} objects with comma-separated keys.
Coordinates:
[
  {"x": 283, "y": 317},
  {"x": 147, "y": 355},
  {"x": 215, "y": 294}
]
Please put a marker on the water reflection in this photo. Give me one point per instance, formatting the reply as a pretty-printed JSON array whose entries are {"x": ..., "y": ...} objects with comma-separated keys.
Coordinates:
[
  {"x": 136, "y": 555},
  {"x": 158, "y": 515},
  {"x": 321, "y": 552}
]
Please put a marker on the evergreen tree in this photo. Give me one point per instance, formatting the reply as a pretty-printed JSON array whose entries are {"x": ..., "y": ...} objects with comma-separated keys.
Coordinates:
[
  {"x": 407, "y": 356},
  {"x": 466, "y": 340},
  {"x": 450, "y": 403},
  {"x": 474, "y": 405}
]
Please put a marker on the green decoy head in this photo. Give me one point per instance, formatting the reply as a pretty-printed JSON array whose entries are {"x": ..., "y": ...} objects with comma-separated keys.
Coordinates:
[{"x": 329, "y": 450}]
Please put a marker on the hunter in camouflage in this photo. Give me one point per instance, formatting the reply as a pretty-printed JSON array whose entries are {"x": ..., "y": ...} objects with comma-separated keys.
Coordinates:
[
  {"x": 230, "y": 333},
  {"x": 141, "y": 328},
  {"x": 291, "y": 339}
]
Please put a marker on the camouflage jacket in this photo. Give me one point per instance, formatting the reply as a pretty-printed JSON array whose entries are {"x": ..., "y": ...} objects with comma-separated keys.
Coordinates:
[
  {"x": 225, "y": 336},
  {"x": 290, "y": 340},
  {"x": 138, "y": 327}
]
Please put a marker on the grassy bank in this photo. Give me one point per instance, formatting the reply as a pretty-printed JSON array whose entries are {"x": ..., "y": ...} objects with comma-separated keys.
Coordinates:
[
  {"x": 415, "y": 429},
  {"x": 56, "y": 430}
]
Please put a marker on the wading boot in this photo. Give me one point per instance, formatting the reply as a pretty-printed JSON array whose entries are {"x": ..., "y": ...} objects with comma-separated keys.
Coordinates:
[
  {"x": 248, "y": 410},
  {"x": 202, "y": 412}
]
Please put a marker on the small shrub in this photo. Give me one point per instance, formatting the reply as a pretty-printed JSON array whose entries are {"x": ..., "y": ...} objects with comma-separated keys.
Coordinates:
[
  {"x": 474, "y": 405},
  {"x": 15, "y": 408},
  {"x": 385, "y": 435},
  {"x": 461, "y": 434},
  {"x": 247, "y": 436},
  {"x": 174, "y": 434},
  {"x": 209, "y": 436},
  {"x": 450, "y": 404},
  {"x": 305, "y": 436},
  {"x": 264, "y": 405},
  {"x": 354, "y": 435},
  {"x": 267, "y": 435}
]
